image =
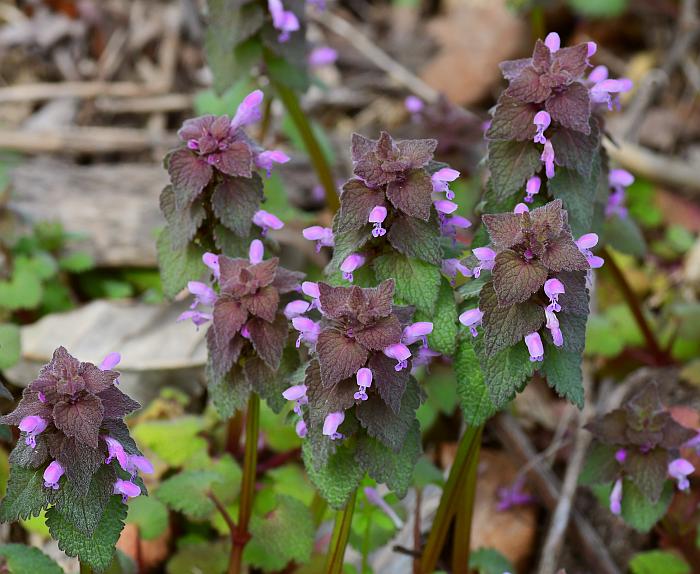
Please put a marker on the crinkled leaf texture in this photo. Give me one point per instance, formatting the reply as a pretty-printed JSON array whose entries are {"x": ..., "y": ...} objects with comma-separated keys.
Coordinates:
[
  {"x": 505, "y": 372},
  {"x": 188, "y": 492},
  {"x": 473, "y": 393},
  {"x": 417, "y": 282},
  {"x": 638, "y": 511},
  {"x": 177, "y": 266},
  {"x": 25, "y": 496},
  {"x": 20, "y": 558},
  {"x": 96, "y": 549},
  {"x": 338, "y": 478}
]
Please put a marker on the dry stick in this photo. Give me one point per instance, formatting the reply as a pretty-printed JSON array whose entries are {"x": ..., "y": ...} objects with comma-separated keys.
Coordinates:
[
  {"x": 551, "y": 550},
  {"x": 53, "y": 90},
  {"x": 687, "y": 33},
  {"x": 88, "y": 140},
  {"x": 145, "y": 104},
  {"x": 548, "y": 487}
]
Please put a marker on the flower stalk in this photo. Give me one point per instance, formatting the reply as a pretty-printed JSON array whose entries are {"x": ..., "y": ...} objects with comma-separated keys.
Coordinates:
[
  {"x": 250, "y": 462},
  {"x": 468, "y": 448},
  {"x": 318, "y": 159},
  {"x": 341, "y": 534}
]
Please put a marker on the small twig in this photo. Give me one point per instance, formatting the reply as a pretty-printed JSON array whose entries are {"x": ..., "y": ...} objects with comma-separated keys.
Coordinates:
[
  {"x": 687, "y": 32},
  {"x": 224, "y": 513},
  {"x": 146, "y": 104},
  {"x": 87, "y": 140},
  {"x": 548, "y": 487},
  {"x": 551, "y": 550},
  {"x": 52, "y": 90}
]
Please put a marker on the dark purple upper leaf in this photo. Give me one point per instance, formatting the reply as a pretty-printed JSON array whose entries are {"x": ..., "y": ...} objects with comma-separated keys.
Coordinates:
[
  {"x": 571, "y": 107},
  {"x": 505, "y": 229},
  {"x": 263, "y": 303},
  {"x": 389, "y": 382},
  {"x": 236, "y": 160},
  {"x": 412, "y": 194},
  {"x": 229, "y": 317},
  {"x": 562, "y": 254},
  {"x": 340, "y": 357},
  {"x": 357, "y": 200},
  {"x": 80, "y": 419},
  {"x": 189, "y": 174},
  {"x": 515, "y": 279},
  {"x": 379, "y": 334},
  {"x": 268, "y": 339},
  {"x": 512, "y": 120},
  {"x": 116, "y": 404}
]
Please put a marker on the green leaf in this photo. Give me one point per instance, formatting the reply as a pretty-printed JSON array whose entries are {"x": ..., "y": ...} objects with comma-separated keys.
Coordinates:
[
  {"x": 505, "y": 372},
  {"x": 25, "y": 496},
  {"x": 577, "y": 194},
  {"x": 489, "y": 561},
  {"x": 228, "y": 393},
  {"x": 77, "y": 262},
  {"x": 20, "y": 559},
  {"x": 658, "y": 561},
  {"x": 188, "y": 492},
  {"x": 177, "y": 267},
  {"x": 24, "y": 290},
  {"x": 150, "y": 515},
  {"x": 283, "y": 535},
  {"x": 338, "y": 478},
  {"x": 200, "y": 557},
  {"x": 444, "y": 336},
  {"x": 511, "y": 163},
  {"x": 638, "y": 511},
  {"x": 414, "y": 237},
  {"x": 599, "y": 8},
  {"x": 96, "y": 550},
  {"x": 623, "y": 234},
  {"x": 228, "y": 40},
  {"x": 474, "y": 396},
  {"x": 389, "y": 467},
  {"x": 425, "y": 473},
  {"x": 174, "y": 441},
  {"x": 600, "y": 466},
  {"x": 601, "y": 337},
  {"x": 417, "y": 282},
  {"x": 10, "y": 345},
  {"x": 563, "y": 371}
]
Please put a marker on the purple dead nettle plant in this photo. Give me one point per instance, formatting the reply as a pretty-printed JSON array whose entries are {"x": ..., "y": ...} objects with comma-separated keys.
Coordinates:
[
  {"x": 246, "y": 304},
  {"x": 74, "y": 451},
  {"x": 215, "y": 193}
]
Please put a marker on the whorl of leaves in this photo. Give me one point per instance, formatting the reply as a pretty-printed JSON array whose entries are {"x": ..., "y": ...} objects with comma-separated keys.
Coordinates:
[
  {"x": 249, "y": 331},
  {"x": 650, "y": 437}
]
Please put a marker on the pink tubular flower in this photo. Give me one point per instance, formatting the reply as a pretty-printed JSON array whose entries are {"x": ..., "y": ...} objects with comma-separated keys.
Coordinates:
[
  {"x": 680, "y": 469},
  {"x": 297, "y": 393},
  {"x": 331, "y": 424},
  {"x": 510, "y": 497},
  {"x": 424, "y": 356},
  {"x": 619, "y": 180},
  {"x": 534, "y": 346},
  {"x": 451, "y": 267},
  {"x": 542, "y": 120},
  {"x": 621, "y": 455},
  {"x": 598, "y": 74},
  {"x": 472, "y": 319},
  {"x": 296, "y": 308},
  {"x": 284, "y": 20},
  {"x": 364, "y": 381},
  {"x": 486, "y": 257},
  {"x": 266, "y": 159},
  {"x": 308, "y": 330},
  {"x": 127, "y": 489},
  {"x": 553, "y": 288},
  {"x": 450, "y": 225},
  {"x": 248, "y": 111},
  {"x": 547, "y": 158},
  {"x": 136, "y": 463},
  {"x": 401, "y": 353},
  {"x": 441, "y": 179},
  {"x": 351, "y": 263},
  {"x": 521, "y": 208},
  {"x": 256, "y": 251},
  {"x": 211, "y": 260},
  {"x": 110, "y": 361},
  {"x": 323, "y": 236},
  {"x": 32, "y": 425},
  {"x": 553, "y": 326},
  {"x": 322, "y": 56},
  {"x": 267, "y": 221},
  {"x": 600, "y": 92},
  {"x": 115, "y": 450},
  {"x": 413, "y": 104},
  {"x": 300, "y": 428},
  {"x": 373, "y": 497},
  {"x": 616, "y": 498},
  {"x": 445, "y": 206},
  {"x": 592, "y": 49},
  {"x": 417, "y": 332},
  {"x": 53, "y": 474},
  {"x": 587, "y": 242},
  {"x": 310, "y": 289},
  {"x": 197, "y": 317},
  {"x": 202, "y": 294},
  {"x": 553, "y": 42},
  {"x": 377, "y": 217},
  {"x": 532, "y": 188}
]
